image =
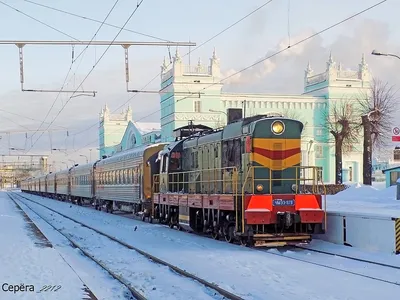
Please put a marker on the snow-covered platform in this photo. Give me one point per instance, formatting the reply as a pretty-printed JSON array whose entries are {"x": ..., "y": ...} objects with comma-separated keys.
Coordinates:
[
  {"x": 364, "y": 217},
  {"x": 30, "y": 267}
]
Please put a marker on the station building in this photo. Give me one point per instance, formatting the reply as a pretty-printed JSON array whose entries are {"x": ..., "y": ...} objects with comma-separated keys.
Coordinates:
[
  {"x": 195, "y": 94},
  {"x": 119, "y": 132}
]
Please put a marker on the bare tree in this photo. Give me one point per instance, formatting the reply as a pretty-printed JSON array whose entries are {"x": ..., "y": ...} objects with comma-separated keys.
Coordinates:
[
  {"x": 378, "y": 106},
  {"x": 293, "y": 114},
  {"x": 343, "y": 124}
]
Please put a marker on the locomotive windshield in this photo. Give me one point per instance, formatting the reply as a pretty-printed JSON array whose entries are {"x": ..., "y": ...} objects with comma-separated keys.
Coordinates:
[{"x": 175, "y": 161}]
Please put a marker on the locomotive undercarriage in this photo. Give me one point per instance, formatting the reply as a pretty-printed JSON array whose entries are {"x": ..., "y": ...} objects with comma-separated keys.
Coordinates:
[
  {"x": 217, "y": 223},
  {"x": 222, "y": 225}
]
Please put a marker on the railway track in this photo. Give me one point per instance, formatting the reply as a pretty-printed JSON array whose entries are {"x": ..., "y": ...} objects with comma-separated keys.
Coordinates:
[
  {"x": 293, "y": 248},
  {"x": 282, "y": 254},
  {"x": 218, "y": 292},
  {"x": 134, "y": 292},
  {"x": 349, "y": 257}
]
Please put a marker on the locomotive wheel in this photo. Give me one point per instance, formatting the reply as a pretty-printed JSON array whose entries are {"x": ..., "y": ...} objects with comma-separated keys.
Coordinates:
[
  {"x": 229, "y": 237},
  {"x": 246, "y": 242},
  {"x": 243, "y": 241},
  {"x": 215, "y": 235}
]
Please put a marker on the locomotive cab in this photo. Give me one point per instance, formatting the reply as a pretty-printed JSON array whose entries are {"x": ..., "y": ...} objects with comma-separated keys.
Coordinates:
[
  {"x": 170, "y": 168},
  {"x": 275, "y": 211}
]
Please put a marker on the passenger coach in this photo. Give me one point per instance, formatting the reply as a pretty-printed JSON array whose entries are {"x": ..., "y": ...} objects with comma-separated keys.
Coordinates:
[
  {"x": 124, "y": 181},
  {"x": 82, "y": 184}
]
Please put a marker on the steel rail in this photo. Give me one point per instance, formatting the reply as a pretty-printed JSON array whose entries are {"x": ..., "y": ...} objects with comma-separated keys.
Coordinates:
[
  {"x": 134, "y": 292},
  {"x": 155, "y": 259}
]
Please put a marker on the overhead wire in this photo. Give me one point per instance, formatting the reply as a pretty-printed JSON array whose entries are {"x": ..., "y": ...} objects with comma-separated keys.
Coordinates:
[
  {"x": 94, "y": 66},
  {"x": 37, "y": 20},
  {"x": 264, "y": 59},
  {"x": 188, "y": 53},
  {"x": 94, "y": 20},
  {"x": 25, "y": 117},
  {"x": 57, "y": 30},
  {"x": 66, "y": 77}
]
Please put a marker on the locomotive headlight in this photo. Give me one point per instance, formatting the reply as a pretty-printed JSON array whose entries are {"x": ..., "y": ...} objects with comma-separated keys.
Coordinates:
[
  {"x": 259, "y": 187},
  {"x": 278, "y": 127}
]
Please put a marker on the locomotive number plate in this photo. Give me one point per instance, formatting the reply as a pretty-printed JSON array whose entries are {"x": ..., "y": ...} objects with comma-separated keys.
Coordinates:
[{"x": 280, "y": 202}]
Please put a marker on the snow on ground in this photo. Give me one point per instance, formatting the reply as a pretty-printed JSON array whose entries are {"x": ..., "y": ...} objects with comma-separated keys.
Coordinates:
[
  {"x": 369, "y": 200},
  {"x": 154, "y": 281},
  {"x": 247, "y": 272},
  {"x": 382, "y": 258},
  {"x": 26, "y": 258},
  {"x": 96, "y": 279}
]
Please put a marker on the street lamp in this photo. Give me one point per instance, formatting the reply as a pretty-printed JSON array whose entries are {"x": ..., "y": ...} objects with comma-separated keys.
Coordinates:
[
  {"x": 87, "y": 161},
  {"x": 218, "y": 111},
  {"x": 61, "y": 150},
  {"x": 376, "y": 52}
]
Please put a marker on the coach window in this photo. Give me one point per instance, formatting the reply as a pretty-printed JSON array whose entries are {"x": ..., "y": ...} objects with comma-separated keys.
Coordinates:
[
  {"x": 128, "y": 176},
  {"x": 136, "y": 175}
]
